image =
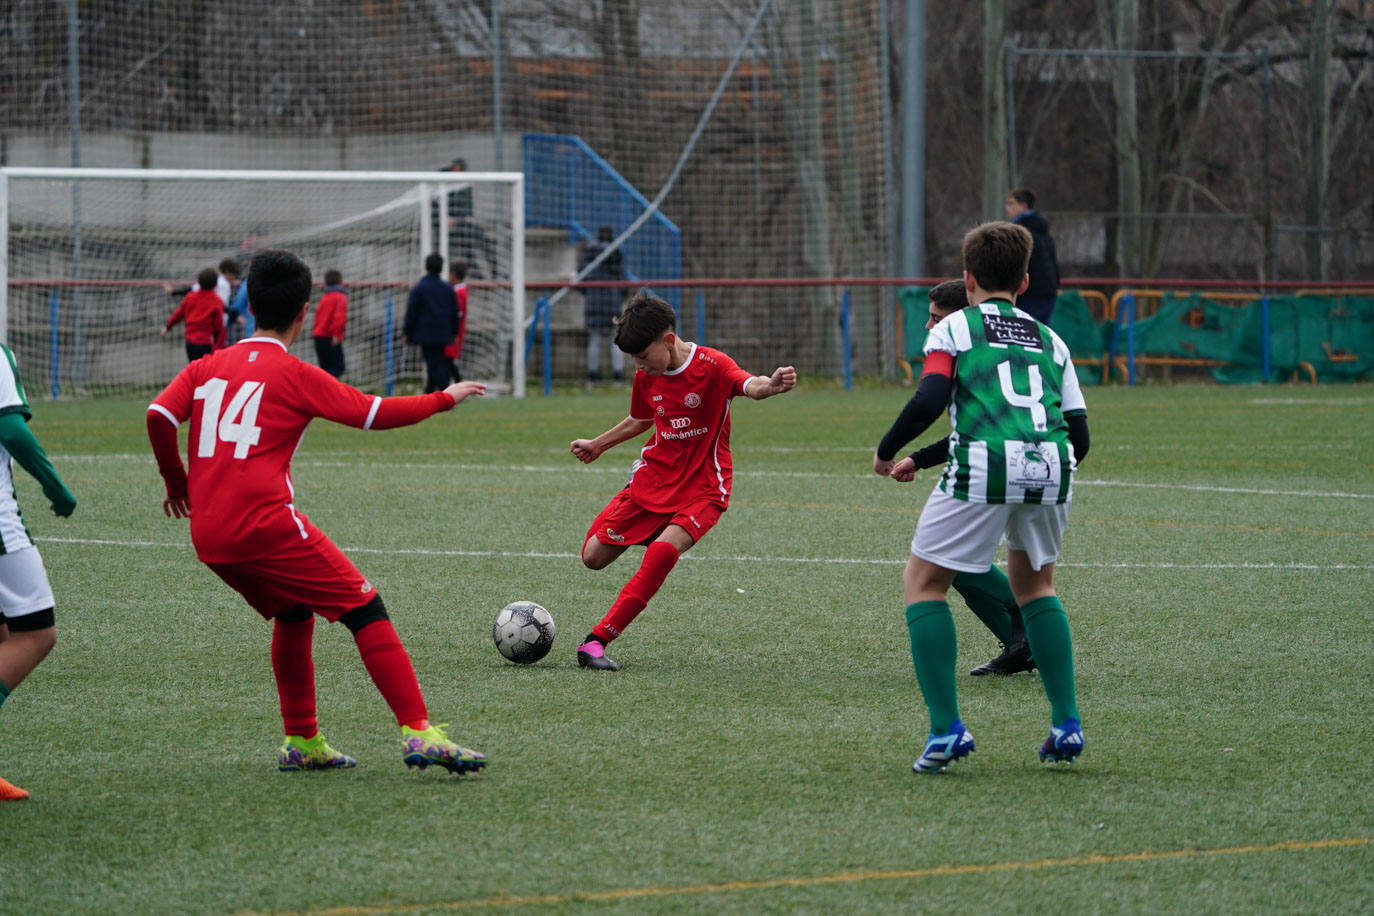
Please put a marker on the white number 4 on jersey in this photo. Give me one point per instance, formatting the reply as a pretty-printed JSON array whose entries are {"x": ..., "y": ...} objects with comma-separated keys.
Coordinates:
[{"x": 237, "y": 425}]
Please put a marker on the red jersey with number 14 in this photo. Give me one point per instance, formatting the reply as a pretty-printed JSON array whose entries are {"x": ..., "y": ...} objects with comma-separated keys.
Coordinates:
[
  {"x": 688, "y": 458},
  {"x": 248, "y": 407}
]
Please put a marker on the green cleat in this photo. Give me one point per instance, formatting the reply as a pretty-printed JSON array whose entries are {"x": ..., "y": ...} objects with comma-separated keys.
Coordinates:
[
  {"x": 431, "y": 746},
  {"x": 299, "y": 753}
]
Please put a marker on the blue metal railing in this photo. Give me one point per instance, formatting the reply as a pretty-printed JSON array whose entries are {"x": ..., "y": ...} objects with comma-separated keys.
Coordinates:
[{"x": 568, "y": 186}]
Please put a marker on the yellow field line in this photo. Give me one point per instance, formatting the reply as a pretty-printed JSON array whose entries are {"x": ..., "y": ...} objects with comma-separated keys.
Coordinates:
[{"x": 853, "y": 877}]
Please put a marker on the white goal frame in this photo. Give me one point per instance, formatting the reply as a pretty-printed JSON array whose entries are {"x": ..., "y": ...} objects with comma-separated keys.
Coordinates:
[{"x": 432, "y": 186}]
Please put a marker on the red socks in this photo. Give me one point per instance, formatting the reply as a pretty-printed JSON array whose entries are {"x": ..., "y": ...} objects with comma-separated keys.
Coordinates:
[
  {"x": 294, "y": 668},
  {"x": 658, "y": 561},
  {"x": 389, "y": 667}
]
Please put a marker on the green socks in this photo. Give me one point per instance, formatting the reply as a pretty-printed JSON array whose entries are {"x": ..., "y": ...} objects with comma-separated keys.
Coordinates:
[
  {"x": 989, "y": 596},
  {"x": 931, "y": 628},
  {"x": 1047, "y": 628}
]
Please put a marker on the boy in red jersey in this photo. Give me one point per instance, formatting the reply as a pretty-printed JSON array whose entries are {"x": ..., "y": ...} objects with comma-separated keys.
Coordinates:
[
  {"x": 203, "y": 311},
  {"x": 248, "y": 407},
  {"x": 458, "y": 279},
  {"x": 680, "y": 484},
  {"x": 331, "y": 317}
]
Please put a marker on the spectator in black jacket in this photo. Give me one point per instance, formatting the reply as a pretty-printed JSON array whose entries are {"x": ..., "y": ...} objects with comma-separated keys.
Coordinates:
[
  {"x": 1039, "y": 297},
  {"x": 432, "y": 321}
]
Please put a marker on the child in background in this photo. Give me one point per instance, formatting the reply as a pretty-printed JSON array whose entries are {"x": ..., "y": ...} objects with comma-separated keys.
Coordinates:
[
  {"x": 203, "y": 311},
  {"x": 457, "y": 276},
  {"x": 331, "y": 316}
]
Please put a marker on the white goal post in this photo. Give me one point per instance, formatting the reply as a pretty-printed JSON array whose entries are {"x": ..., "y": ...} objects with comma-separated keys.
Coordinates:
[{"x": 87, "y": 256}]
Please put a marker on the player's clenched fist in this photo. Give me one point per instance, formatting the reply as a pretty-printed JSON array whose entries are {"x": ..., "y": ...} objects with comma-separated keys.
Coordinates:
[{"x": 585, "y": 450}]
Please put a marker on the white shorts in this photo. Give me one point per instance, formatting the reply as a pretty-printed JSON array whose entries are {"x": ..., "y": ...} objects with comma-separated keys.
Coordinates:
[
  {"x": 24, "y": 587},
  {"x": 964, "y": 536}
]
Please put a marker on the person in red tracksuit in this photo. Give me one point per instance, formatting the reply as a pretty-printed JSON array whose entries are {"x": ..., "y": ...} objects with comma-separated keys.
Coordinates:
[
  {"x": 203, "y": 311},
  {"x": 331, "y": 315},
  {"x": 247, "y": 407}
]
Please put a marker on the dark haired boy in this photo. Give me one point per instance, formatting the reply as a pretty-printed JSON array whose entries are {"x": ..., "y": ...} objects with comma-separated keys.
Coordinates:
[
  {"x": 987, "y": 594},
  {"x": 680, "y": 484},
  {"x": 1019, "y": 426},
  {"x": 331, "y": 317},
  {"x": 248, "y": 407},
  {"x": 203, "y": 311}
]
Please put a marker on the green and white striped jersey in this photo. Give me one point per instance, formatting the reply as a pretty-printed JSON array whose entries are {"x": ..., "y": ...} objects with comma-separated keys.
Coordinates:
[
  {"x": 1013, "y": 383},
  {"x": 13, "y": 534}
]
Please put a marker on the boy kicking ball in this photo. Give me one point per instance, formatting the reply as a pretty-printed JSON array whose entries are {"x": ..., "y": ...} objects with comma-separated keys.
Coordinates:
[{"x": 680, "y": 484}]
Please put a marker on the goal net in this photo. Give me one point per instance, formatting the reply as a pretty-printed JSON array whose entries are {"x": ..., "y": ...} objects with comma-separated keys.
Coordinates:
[{"x": 95, "y": 261}]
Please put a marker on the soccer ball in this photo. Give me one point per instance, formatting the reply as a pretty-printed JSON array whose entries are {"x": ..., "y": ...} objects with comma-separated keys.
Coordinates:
[{"x": 523, "y": 632}]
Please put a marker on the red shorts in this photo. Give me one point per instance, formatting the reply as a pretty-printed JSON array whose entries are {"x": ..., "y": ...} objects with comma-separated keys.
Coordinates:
[
  {"x": 624, "y": 522},
  {"x": 315, "y": 574}
]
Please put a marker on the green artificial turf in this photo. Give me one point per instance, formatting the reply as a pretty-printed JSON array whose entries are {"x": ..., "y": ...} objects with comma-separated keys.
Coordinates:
[{"x": 754, "y": 753}]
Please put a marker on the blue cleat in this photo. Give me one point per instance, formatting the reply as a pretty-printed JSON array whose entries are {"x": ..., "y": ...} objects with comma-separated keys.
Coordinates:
[
  {"x": 942, "y": 750},
  {"x": 1064, "y": 744}
]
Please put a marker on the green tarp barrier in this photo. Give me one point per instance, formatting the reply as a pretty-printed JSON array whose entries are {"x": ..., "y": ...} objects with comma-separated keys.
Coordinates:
[{"x": 1331, "y": 334}]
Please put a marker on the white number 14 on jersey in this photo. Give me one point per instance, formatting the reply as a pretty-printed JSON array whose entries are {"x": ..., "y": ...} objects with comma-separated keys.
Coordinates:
[{"x": 237, "y": 424}]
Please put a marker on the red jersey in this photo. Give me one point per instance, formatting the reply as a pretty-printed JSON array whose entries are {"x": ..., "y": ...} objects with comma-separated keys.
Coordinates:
[
  {"x": 203, "y": 312},
  {"x": 455, "y": 349},
  {"x": 331, "y": 314},
  {"x": 249, "y": 406},
  {"x": 688, "y": 458}
]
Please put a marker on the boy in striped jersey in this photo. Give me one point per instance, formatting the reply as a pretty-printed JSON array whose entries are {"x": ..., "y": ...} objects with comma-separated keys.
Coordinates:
[
  {"x": 1019, "y": 428},
  {"x": 987, "y": 594},
  {"x": 28, "y": 629}
]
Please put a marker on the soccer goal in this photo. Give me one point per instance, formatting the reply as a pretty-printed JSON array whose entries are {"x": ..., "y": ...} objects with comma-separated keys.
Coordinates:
[{"x": 87, "y": 258}]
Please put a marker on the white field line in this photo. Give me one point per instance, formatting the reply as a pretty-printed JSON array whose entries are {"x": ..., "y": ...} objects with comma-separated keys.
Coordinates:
[
  {"x": 741, "y": 558},
  {"x": 622, "y": 469}
]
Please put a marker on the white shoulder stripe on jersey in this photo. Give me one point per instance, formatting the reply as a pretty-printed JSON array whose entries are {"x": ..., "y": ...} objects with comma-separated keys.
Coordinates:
[
  {"x": 166, "y": 413},
  {"x": 959, "y": 332},
  {"x": 372, "y": 414}
]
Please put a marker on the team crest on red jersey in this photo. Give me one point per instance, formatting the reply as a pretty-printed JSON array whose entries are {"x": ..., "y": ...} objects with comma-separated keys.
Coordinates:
[{"x": 692, "y": 400}]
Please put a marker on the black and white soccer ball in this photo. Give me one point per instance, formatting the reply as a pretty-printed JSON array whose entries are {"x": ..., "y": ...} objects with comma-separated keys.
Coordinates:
[{"x": 523, "y": 632}]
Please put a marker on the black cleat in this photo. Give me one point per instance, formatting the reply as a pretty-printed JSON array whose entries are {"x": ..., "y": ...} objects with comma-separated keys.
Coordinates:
[
  {"x": 592, "y": 654},
  {"x": 1014, "y": 658}
]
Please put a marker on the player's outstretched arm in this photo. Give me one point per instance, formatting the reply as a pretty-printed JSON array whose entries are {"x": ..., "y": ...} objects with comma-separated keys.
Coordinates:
[
  {"x": 345, "y": 404},
  {"x": 784, "y": 378},
  {"x": 588, "y": 450}
]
